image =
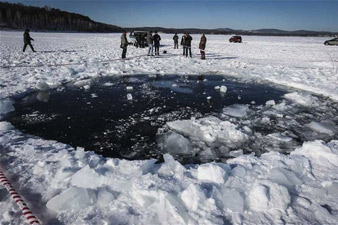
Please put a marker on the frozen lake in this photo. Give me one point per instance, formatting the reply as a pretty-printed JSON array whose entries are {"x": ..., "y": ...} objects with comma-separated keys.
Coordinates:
[{"x": 63, "y": 183}]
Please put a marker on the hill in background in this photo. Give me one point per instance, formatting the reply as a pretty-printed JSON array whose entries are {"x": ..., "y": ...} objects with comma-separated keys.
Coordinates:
[{"x": 18, "y": 16}]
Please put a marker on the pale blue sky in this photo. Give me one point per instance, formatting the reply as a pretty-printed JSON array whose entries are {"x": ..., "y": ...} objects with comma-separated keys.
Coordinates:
[{"x": 287, "y": 15}]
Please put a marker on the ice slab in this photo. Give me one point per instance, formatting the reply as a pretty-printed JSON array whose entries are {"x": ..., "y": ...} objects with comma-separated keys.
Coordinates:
[
  {"x": 74, "y": 198},
  {"x": 236, "y": 110},
  {"x": 321, "y": 127},
  {"x": 302, "y": 98},
  {"x": 175, "y": 143},
  {"x": 42, "y": 86},
  {"x": 6, "y": 106},
  {"x": 212, "y": 172}
]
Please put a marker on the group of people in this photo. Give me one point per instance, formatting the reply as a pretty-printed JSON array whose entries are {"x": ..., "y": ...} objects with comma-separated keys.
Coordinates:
[{"x": 154, "y": 41}]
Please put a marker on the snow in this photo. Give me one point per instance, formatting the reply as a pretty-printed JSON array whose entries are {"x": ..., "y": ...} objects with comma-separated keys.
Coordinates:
[{"x": 67, "y": 185}]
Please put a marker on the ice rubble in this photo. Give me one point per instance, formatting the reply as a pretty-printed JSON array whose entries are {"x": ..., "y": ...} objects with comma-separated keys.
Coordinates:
[{"x": 296, "y": 188}]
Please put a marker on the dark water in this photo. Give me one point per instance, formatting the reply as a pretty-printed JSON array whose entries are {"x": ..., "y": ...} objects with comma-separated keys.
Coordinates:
[{"x": 104, "y": 120}]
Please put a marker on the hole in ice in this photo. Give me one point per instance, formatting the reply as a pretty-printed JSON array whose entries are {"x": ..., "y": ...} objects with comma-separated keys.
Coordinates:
[{"x": 194, "y": 118}]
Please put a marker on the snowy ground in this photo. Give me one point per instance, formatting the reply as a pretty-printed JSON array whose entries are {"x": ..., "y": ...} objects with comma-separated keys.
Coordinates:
[{"x": 67, "y": 186}]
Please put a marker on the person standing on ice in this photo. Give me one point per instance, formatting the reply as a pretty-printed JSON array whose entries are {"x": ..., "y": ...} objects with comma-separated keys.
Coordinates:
[
  {"x": 157, "y": 39},
  {"x": 27, "y": 41},
  {"x": 183, "y": 42},
  {"x": 187, "y": 45},
  {"x": 124, "y": 44},
  {"x": 202, "y": 46},
  {"x": 175, "y": 38},
  {"x": 150, "y": 40}
]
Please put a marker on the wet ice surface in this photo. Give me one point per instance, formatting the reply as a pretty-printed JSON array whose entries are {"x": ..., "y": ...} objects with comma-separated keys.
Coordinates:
[{"x": 140, "y": 117}]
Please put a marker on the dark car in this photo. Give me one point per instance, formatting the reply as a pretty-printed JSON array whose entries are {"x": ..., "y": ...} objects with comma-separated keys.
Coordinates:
[
  {"x": 139, "y": 39},
  {"x": 334, "y": 41},
  {"x": 236, "y": 39}
]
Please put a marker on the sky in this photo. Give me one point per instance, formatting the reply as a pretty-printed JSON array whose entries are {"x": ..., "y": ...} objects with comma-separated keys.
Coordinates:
[{"x": 317, "y": 15}]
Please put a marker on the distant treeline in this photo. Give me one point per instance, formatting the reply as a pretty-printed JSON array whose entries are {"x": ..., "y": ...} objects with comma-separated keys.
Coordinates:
[
  {"x": 18, "y": 16},
  {"x": 260, "y": 32}
]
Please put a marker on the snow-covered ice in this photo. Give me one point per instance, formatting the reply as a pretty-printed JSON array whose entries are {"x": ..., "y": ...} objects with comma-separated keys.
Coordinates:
[{"x": 65, "y": 185}]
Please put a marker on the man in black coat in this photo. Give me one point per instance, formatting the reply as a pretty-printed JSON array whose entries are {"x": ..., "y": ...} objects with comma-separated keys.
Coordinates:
[
  {"x": 27, "y": 41},
  {"x": 202, "y": 46},
  {"x": 187, "y": 45},
  {"x": 157, "y": 40},
  {"x": 175, "y": 38},
  {"x": 124, "y": 44}
]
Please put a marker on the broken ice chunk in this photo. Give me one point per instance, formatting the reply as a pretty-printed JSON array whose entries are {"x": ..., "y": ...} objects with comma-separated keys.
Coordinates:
[
  {"x": 42, "y": 86},
  {"x": 270, "y": 103},
  {"x": 6, "y": 106},
  {"x": 74, "y": 198},
  {"x": 129, "y": 97},
  {"x": 94, "y": 95},
  {"x": 236, "y": 110},
  {"x": 223, "y": 89},
  {"x": 212, "y": 172},
  {"x": 176, "y": 144},
  {"x": 321, "y": 128}
]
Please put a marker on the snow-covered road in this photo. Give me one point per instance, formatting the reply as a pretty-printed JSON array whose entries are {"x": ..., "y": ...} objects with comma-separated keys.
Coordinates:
[{"x": 64, "y": 185}]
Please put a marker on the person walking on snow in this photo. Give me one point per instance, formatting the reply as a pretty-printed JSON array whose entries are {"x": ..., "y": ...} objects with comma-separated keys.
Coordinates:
[
  {"x": 124, "y": 44},
  {"x": 27, "y": 40},
  {"x": 157, "y": 39},
  {"x": 187, "y": 43},
  {"x": 202, "y": 46},
  {"x": 175, "y": 38},
  {"x": 150, "y": 44}
]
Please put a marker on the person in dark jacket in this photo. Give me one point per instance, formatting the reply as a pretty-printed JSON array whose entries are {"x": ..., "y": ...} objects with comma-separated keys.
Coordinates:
[
  {"x": 187, "y": 45},
  {"x": 157, "y": 39},
  {"x": 202, "y": 46},
  {"x": 183, "y": 43},
  {"x": 150, "y": 41},
  {"x": 175, "y": 38},
  {"x": 124, "y": 44},
  {"x": 27, "y": 41}
]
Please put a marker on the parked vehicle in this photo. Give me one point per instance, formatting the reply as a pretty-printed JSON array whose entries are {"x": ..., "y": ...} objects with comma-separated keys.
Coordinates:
[
  {"x": 334, "y": 41},
  {"x": 236, "y": 39},
  {"x": 139, "y": 39}
]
